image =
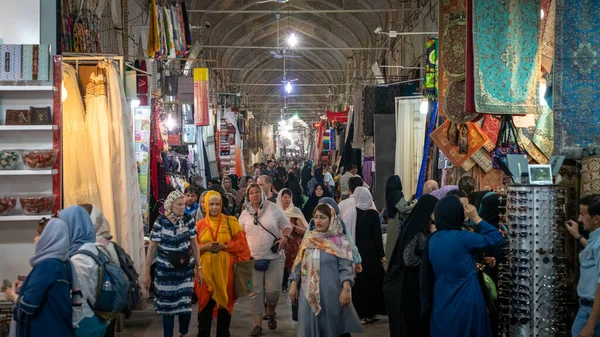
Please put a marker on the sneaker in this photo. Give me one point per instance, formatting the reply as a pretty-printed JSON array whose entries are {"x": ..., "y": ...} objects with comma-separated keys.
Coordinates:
[
  {"x": 272, "y": 322},
  {"x": 256, "y": 332}
]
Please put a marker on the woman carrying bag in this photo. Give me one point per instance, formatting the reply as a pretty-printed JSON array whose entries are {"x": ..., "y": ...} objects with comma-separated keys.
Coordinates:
[{"x": 222, "y": 243}]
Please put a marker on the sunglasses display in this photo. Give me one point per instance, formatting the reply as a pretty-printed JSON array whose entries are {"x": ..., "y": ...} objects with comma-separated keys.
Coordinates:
[{"x": 532, "y": 287}]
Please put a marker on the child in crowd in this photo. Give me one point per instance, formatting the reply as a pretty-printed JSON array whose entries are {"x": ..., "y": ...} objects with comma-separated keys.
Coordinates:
[{"x": 191, "y": 201}]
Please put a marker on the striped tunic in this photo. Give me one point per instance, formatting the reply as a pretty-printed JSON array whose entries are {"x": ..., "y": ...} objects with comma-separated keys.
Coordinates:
[{"x": 174, "y": 288}]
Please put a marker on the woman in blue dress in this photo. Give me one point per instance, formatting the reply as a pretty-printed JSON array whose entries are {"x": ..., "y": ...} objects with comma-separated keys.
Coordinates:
[
  {"x": 449, "y": 285},
  {"x": 174, "y": 235},
  {"x": 43, "y": 305}
]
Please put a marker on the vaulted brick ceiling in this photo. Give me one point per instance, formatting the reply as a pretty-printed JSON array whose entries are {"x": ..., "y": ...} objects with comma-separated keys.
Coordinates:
[{"x": 330, "y": 30}]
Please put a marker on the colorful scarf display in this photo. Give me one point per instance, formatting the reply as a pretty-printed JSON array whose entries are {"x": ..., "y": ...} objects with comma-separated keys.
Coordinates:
[
  {"x": 507, "y": 56},
  {"x": 431, "y": 68},
  {"x": 576, "y": 64},
  {"x": 169, "y": 31},
  {"x": 333, "y": 242}
]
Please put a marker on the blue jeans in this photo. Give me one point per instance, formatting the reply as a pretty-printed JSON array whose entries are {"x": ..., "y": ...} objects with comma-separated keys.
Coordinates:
[
  {"x": 581, "y": 319},
  {"x": 169, "y": 324},
  {"x": 91, "y": 327}
]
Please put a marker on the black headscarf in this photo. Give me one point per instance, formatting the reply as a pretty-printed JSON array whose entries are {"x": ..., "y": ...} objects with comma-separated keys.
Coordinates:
[
  {"x": 489, "y": 208},
  {"x": 401, "y": 284},
  {"x": 319, "y": 174},
  {"x": 449, "y": 215},
  {"x": 294, "y": 185},
  {"x": 313, "y": 201},
  {"x": 393, "y": 194},
  {"x": 420, "y": 215}
]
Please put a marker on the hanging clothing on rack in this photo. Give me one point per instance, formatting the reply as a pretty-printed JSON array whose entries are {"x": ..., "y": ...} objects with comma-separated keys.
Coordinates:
[{"x": 169, "y": 31}]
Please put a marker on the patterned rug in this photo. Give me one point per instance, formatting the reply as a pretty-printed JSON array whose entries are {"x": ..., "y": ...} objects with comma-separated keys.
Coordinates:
[
  {"x": 450, "y": 11},
  {"x": 477, "y": 139},
  {"x": 576, "y": 70},
  {"x": 507, "y": 55}
]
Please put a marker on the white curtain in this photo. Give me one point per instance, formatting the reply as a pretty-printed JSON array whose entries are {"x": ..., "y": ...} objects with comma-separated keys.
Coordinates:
[
  {"x": 79, "y": 175},
  {"x": 109, "y": 122},
  {"x": 410, "y": 137}
]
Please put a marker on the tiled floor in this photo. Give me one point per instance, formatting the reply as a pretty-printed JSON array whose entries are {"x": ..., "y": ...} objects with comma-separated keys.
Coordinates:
[{"x": 147, "y": 324}]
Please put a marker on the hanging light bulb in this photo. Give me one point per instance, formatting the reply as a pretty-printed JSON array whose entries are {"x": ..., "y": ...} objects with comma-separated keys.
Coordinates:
[
  {"x": 292, "y": 40},
  {"x": 134, "y": 103},
  {"x": 424, "y": 108},
  {"x": 63, "y": 92},
  {"x": 288, "y": 87}
]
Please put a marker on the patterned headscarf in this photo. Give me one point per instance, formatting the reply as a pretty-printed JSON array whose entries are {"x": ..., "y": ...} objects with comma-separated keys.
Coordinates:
[
  {"x": 333, "y": 242},
  {"x": 173, "y": 196},
  {"x": 101, "y": 226}
]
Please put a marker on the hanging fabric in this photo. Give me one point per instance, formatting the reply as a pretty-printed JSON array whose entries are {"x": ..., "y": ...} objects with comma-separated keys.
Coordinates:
[
  {"x": 575, "y": 85},
  {"x": 79, "y": 176},
  {"x": 426, "y": 147},
  {"x": 507, "y": 61},
  {"x": 169, "y": 31},
  {"x": 109, "y": 123}
]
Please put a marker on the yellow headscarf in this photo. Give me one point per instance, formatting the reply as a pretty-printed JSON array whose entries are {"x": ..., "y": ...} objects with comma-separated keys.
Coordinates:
[{"x": 216, "y": 267}]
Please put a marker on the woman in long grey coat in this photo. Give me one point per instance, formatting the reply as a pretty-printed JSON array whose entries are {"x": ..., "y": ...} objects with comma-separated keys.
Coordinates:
[{"x": 321, "y": 280}]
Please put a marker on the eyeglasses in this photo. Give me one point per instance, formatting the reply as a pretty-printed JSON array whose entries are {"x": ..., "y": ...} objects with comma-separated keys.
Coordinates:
[
  {"x": 521, "y": 234},
  {"x": 520, "y": 217},
  {"x": 518, "y": 208},
  {"x": 519, "y": 193}
]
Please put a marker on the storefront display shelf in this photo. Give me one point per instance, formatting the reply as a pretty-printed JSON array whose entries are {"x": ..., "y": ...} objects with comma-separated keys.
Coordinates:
[
  {"x": 28, "y": 172},
  {"x": 13, "y": 218},
  {"x": 28, "y": 127},
  {"x": 26, "y": 88}
]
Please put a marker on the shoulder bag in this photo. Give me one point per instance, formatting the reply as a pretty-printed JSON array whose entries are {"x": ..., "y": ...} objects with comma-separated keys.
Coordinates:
[
  {"x": 262, "y": 265},
  {"x": 507, "y": 142},
  {"x": 242, "y": 273}
]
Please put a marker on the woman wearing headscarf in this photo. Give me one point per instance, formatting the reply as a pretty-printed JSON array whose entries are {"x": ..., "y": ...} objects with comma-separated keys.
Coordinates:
[
  {"x": 104, "y": 243},
  {"x": 355, "y": 254},
  {"x": 401, "y": 282},
  {"x": 222, "y": 243},
  {"x": 174, "y": 236},
  {"x": 200, "y": 213},
  {"x": 268, "y": 232},
  {"x": 216, "y": 186},
  {"x": 299, "y": 226},
  {"x": 306, "y": 176},
  {"x": 398, "y": 210},
  {"x": 43, "y": 305},
  {"x": 368, "y": 289},
  {"x": 230, "y": 193},
  {"x": 449, "y": 285},
  {"x": 321, "y": 280},
  {"x": 489, "y": 206},
  {"x": 293, "y": 185},
  {"x": 320, "y": 191},
  {"x": 83, "y": 237}
]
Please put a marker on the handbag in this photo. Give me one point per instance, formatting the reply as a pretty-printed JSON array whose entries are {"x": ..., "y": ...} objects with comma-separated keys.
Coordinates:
[
  {"x": 242, "y": 273},
  {"x": 507, "y": 142},
  {"x": 179, "y": 260},
  {"x": 275, "y": 246}
]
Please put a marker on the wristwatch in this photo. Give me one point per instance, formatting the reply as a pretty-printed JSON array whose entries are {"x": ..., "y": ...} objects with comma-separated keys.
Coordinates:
[{"x": 579, "y": 238}]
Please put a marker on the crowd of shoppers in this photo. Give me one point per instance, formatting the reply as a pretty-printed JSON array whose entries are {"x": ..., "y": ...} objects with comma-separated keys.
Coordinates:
[{"x": 332, "y": 258}]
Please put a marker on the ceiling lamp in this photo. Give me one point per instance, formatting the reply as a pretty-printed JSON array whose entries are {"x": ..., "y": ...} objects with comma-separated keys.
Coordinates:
[
  {"x": 288, "y": 87},
  {"x": 292, "y": 40}
]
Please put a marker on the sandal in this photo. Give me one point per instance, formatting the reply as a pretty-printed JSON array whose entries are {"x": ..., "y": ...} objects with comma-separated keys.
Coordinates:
[
  {"x": 272, "y": 322},
  {"x": 256, "y": 332}
]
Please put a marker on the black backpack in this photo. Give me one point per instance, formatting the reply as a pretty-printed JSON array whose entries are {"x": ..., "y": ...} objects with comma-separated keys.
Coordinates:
[{"x": 134, "y": 295}]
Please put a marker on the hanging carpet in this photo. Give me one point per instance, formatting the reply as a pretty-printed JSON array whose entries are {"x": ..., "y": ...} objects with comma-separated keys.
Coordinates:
[
  {"x": 507, "y": 56},
  {"x": 576, "y": 67}
]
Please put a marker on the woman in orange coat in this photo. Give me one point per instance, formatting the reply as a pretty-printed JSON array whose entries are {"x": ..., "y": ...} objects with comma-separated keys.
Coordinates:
[{"x": 222, "y": 241}]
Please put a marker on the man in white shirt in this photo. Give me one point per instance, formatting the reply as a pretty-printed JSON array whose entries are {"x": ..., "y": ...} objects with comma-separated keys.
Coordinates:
[
  {"x": 348, "y": 206},
  {"x": 351, "y": 171}
]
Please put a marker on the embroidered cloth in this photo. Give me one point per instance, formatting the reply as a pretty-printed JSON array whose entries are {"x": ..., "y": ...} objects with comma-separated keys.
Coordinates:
[{"x": 507, "y": 55}]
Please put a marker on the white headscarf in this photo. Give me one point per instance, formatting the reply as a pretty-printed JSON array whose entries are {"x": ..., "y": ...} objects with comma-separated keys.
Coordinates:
[
  {"x": 363, "y": 198},
  {"x": 101, "y": 226},
  {"x": 292, "y": 211}
]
